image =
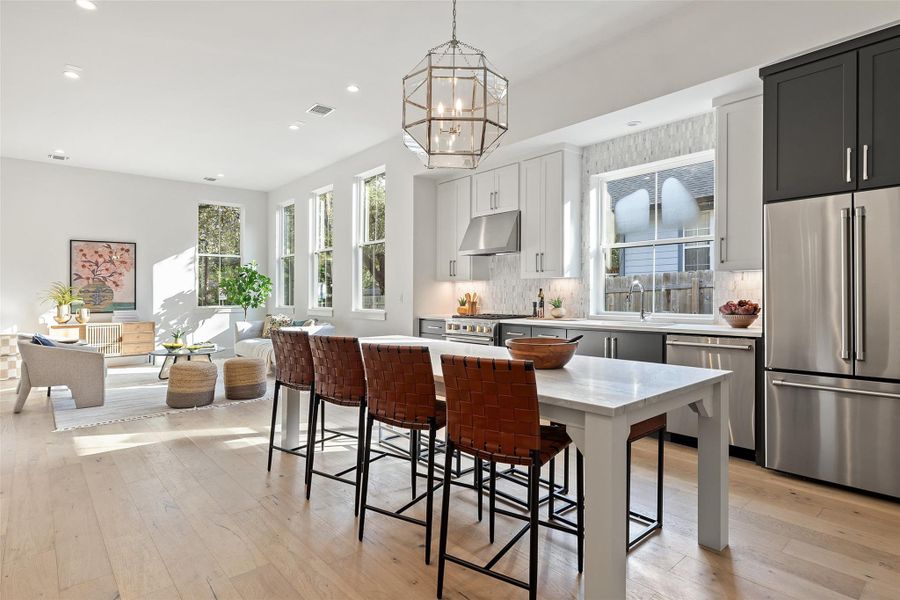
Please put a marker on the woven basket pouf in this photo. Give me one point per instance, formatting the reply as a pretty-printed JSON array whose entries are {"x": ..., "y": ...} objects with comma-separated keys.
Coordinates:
[
  {"x": 191, "y": 384},
  {"x": 245, "y": 378}
]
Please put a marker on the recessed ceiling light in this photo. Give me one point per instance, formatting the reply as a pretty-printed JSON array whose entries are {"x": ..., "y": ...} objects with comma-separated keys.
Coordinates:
[
  {"x": 295, "y": 125},
  {"x": 72, "y": 72},
  {"x": 352, "y": 88},
  {"x": 86, "y": 4},
  {"x": 633, "y": 123},
  {"x": 220, "y": 175},
  {"x": 58, "y": 154}
]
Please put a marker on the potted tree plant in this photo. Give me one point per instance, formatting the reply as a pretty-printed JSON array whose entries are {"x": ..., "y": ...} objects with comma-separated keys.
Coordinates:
[
  {"x": 247, "y": 288},
  {"x": 62, "y": 296}
]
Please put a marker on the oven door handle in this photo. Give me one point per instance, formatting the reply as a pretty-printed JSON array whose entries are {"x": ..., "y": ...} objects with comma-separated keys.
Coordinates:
[{"x": 472, "y": 340}]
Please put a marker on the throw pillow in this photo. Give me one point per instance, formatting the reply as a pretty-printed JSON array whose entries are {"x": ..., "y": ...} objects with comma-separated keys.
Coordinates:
[
  {"x": 41, "y": 340},
  {"x": 274, "y": 322}
]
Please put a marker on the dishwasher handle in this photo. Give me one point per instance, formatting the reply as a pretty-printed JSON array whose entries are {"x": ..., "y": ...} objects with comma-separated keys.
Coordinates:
[{"x": 747, "y": 347}]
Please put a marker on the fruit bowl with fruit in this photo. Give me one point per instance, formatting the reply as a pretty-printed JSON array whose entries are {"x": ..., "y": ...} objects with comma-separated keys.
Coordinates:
[{"x": 739, "y": 314}]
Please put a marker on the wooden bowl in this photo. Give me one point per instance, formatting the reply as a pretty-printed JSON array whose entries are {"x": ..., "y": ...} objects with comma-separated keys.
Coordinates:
[{"x": 546, "y": 353}]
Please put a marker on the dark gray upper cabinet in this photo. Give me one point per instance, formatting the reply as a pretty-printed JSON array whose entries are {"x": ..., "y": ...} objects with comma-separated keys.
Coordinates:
[
  {"x": 809, "y": 129},
  {"x": 879, "y": 114}
]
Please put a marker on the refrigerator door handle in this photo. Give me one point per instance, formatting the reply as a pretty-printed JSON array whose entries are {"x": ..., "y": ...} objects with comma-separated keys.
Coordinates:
[
  {"x": 845, "y": 283},
  {"x": 859, "y": 283},
  {"x": 839, "y": 390}
]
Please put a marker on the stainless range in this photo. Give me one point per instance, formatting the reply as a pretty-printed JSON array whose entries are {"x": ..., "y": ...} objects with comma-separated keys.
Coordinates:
[{"x": 481, "y": 329}]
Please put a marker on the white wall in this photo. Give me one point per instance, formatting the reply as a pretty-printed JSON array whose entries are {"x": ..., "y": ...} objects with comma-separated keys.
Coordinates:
[
  {"x": 407, "y": 214},
  {"x": 43, "y": 206}
]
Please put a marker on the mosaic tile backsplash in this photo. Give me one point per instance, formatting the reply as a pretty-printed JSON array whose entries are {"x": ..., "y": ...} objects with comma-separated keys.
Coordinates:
[{"x": 507, "y": 292}]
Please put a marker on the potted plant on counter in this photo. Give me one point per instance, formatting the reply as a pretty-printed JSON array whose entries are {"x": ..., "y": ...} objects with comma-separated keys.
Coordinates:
[
  {"x": 557, "y": 312},
  {"x": 62, "y": 296},
  {"x": 463, "y": 308},
  {"x": 247, "y": 288}
]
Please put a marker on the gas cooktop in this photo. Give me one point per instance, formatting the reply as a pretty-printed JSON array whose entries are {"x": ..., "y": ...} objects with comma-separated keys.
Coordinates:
[{"x": 491, "y": 316}]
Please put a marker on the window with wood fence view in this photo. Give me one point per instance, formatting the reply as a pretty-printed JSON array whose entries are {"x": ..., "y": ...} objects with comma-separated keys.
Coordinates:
[{"x": 657, "y": 226}]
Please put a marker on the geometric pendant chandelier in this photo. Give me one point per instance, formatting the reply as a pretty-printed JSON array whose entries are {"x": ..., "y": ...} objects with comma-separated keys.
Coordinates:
[{"x": 455, "y": 106}]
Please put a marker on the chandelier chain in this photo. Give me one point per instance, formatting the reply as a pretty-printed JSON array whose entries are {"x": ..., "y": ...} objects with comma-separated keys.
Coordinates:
[{"x": 453, "y": 35}]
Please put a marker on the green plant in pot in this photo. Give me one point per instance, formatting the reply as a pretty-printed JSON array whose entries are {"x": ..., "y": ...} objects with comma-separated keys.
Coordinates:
[
  {"x": 557, "y": 312},
  {"x": 62, "y": 296},
  {"x": 247, "y": 288}
]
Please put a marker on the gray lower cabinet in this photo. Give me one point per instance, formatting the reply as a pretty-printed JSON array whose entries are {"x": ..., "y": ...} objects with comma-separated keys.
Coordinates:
[
  {"x": 548, "y": 332},
  {"x": 625, "y": 345},
  {"x": 512, "y": 332},
  {"x": 431, "y": 328}
]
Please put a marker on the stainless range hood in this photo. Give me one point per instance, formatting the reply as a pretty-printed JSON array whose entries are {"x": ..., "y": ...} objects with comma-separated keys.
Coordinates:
[{"x": 492, "y": 234}]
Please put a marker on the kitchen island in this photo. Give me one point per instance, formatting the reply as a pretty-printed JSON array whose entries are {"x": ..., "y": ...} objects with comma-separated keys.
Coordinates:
[{"x": 598, "y": 400}]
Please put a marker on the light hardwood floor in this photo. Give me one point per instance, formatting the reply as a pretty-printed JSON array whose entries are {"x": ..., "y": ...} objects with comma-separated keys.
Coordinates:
[{"x": 181, "y": 506}]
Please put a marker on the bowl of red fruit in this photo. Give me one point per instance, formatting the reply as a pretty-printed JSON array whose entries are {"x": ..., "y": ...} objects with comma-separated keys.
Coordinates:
[{"x": 739, "y": 314}]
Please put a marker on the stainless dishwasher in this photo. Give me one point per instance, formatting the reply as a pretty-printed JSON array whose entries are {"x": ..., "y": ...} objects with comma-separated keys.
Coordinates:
[{"x": 730, "y": 354}]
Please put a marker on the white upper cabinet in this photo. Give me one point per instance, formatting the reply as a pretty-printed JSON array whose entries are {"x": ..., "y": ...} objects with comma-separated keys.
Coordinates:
[
  {"x": 454, "y": 200},
  {"x": 496, "y": 191},
  {"x": 551, "y": 216},
  {"x": 739, "y": 184}
]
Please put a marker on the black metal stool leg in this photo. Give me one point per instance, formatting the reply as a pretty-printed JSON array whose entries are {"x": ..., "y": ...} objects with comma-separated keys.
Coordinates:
[
  {"x": 579, "y": 506},
  {"x": 311, "y": 443},
  {"x": 534, "y": 488},
  {"x": 322, "y": 408},
  {"x": 365, "y": 476},
  {"x": 492, "y": 499},
  {"x": 479, "y": 485},
  {"x": 551, "y": 493},
  {"x": 429, "y": 500},
  {"x": 445, "y": 517},
  {"x": 272, "y": 428},
  {"x": 361, "y": 441},
  {"x": 413, "y": 459}
]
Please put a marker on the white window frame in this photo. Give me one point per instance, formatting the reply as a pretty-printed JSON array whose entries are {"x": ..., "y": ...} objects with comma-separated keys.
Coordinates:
[
  {"x": 198, "y": 254},
  {"x": 312, "y": 308},
  {"x": 359, "y": 242},
  {"x": 599, "y": 247},
  {"x": 280, "y": 255}
]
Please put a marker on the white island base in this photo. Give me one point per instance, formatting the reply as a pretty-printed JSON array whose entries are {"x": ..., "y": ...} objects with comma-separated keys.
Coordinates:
[{"x": 598, "y": 400}]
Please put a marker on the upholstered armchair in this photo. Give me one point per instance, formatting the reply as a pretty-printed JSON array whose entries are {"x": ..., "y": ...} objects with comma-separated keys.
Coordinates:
[{"x": 80, "y": 368}]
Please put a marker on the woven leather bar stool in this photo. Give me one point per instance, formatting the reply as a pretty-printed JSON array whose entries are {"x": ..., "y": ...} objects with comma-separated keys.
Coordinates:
[
  {"x": 492, "y": 414},
  {"x": 340, "y": 379},
  {"x": 638, "y": 431},
  {"x": 293, "y": 369},
  {"x": 400, "y": 392}
]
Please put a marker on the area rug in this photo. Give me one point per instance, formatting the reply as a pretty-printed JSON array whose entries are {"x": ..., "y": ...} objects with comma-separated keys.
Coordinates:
[{"x": 132, "y": 392}]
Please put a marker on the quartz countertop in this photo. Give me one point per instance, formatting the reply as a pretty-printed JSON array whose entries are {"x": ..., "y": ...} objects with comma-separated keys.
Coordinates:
[
  {"x": 709, "y": 329},
  {"x": 591, "y": 384}
]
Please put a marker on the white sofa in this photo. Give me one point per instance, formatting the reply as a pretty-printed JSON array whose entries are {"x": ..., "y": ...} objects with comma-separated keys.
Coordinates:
[{"x": 248, "y": 339}]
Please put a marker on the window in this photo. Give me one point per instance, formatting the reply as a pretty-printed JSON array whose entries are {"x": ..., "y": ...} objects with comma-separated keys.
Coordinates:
[
  {"x": 656, "y": 228},
  {"x": 321, "y": 246},
  {"x": 369, "y": 270},
  {"x": 218, "y": 249},
  {"x": 285, "y": 241}
]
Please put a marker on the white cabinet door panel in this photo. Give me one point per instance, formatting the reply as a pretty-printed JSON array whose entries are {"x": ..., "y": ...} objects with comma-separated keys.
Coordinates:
[
  {"x": 532, "y": 217},
  {"x": 445, "y": 231},
  {"x": 506, "y": 195},
  {"x": 462, "y": 268},
  {"x": 485, "y": 186},
  {"x": 551, "y": 260}
]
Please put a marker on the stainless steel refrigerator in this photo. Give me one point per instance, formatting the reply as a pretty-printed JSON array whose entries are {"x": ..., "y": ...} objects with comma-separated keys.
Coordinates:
[{"x": 832, "y": 327}]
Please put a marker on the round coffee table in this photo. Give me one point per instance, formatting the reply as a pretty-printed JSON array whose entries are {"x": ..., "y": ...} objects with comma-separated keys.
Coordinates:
[{"x": 173, "y": 356}]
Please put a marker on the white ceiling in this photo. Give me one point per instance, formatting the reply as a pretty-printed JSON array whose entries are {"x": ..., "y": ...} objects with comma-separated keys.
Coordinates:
[{"x": 183, "y": 90}]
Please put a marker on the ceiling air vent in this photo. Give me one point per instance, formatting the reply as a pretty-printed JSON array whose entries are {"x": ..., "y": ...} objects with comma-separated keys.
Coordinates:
[
  {"x": 210, "y": 179},
  {"x": 57, "y": 156},
  {"x": 320, "y": 110}
]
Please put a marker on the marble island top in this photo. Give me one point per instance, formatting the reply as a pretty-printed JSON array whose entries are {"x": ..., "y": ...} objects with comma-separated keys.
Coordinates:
[
  {"x": 712, "y": 329},
  {"x": 590, "y": 384}
]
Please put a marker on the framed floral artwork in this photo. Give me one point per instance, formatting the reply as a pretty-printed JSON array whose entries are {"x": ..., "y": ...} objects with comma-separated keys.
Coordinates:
[{"x": 104, "y": 274}]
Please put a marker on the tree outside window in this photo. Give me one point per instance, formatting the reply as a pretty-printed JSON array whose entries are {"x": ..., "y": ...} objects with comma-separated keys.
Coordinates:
[
  {"x": 322, "y": 237},
  {"x": 286, "y": 255},
  {"x": 371, "y": 249},
  {"x": 218, "y": 250}
]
